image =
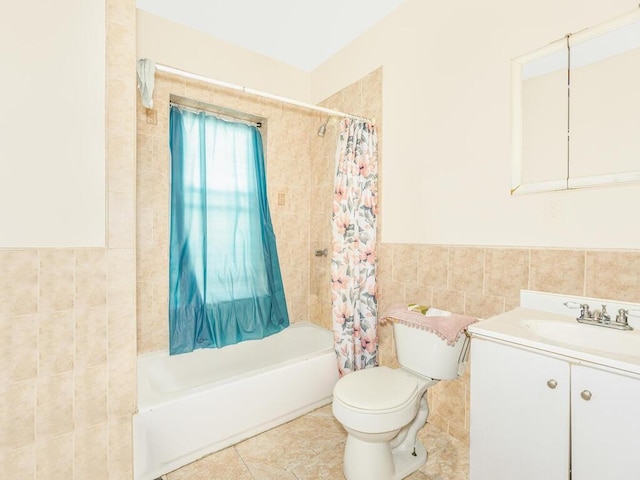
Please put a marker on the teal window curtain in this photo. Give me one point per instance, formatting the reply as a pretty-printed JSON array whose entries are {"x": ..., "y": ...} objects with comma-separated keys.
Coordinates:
[{"x": 225, "y": 280}]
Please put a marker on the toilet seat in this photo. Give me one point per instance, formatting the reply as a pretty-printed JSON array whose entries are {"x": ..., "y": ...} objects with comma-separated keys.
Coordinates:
[
  {"x": 381, "y": 389},
  {"x": 376, "y": 399}
]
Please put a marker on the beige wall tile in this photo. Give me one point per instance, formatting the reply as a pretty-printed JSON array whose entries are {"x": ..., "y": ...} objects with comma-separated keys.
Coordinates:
[
  {"x": 56, "y": 280},
  {"x": 54, "y": 405},
  {"x": 19, "y": 463},
  {"x": 120, "y": 458},
  {"x": 90, "y": 337},
  {"x": 405, "y": 263},
  {"x": 17, "y": 415},
  {"x": 385, "y": 261},
  {"x": 204, "y": 92},
  {"x": 433, "y": 265},
  {"x": 386, "y": 350},
  {"x": 6, "y": 354},
  {"x": 449, "y": 401},
  {"x": 483, "y": 306},
  {"x": 19, "y": 282},
  {"x": 451, "y": 300},
  {"x": 122, "y": 399},
  {"x": 390, "y": 293},
  {"x": 613, "y": 275},
  {"x": 122, "y": 12},
  {"x": 557, "y": 271},
  {"x": 167, "y": 84},
  {"x": 54, "y": 457},
  {"x": 21, "y": 356},
  {"x": 91, "y": 278},
  {"x": 506, "y": 271},
  {"x": 122, "y": 166},
  {"x": 160, "y": 293},
  {"x": 90, "y": 400},
  {"x": 122, "y": 328},
  {"x": 121, "y": 278},
  {"x": 90, "y": 455},
  {"x": 418, "y": 294},
  {"x": 121, "y": 223},
  {"x": 511, "y": 303},
  {"x": 56, "y": 329},
  {"x": 466, "y": 269}
]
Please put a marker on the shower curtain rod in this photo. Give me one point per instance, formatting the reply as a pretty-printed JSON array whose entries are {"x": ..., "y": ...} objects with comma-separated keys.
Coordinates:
[{"x": 183, "y": 73}]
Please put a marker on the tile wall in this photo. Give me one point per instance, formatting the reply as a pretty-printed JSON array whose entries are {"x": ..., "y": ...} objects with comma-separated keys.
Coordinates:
[
  {"x": 291, "y": 137},
  {"x": 485, "y": 281},
  {"x": 362, "y": 98},
  {"x": 67, "y": 319}
]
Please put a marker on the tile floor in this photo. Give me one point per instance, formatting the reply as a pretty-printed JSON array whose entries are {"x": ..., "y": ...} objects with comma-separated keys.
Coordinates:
[{"x": 311, "y": 448}]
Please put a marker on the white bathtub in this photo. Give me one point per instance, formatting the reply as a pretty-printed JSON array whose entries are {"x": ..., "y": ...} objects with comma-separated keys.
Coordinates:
[{"x": 194, "y": 404}]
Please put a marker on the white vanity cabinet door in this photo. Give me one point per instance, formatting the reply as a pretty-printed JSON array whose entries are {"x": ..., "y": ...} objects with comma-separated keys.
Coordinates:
[
  {"x": 519, "y": 414},
  {"x": 605, "y": 419}
]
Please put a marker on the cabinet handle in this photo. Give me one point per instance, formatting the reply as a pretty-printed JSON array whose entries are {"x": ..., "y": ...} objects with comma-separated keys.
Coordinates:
[
  {"x": 552, "y": 384},
  {"x": 586, "y": 395}
]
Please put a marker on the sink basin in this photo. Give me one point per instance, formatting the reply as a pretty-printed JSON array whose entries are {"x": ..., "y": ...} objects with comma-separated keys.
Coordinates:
[{"x": 578, "y": 335}]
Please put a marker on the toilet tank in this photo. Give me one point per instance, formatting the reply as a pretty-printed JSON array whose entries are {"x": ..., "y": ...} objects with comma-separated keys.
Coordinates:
[{"x": 427, "y": 354}]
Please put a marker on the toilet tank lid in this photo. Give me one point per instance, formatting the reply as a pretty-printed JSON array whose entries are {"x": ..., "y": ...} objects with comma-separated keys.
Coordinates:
[{"x": 379, "y": 388}]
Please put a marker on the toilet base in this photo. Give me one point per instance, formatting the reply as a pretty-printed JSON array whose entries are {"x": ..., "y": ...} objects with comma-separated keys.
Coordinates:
[
  {"x": 405, "y": 463},
  {"x": 376, "y": 461}
]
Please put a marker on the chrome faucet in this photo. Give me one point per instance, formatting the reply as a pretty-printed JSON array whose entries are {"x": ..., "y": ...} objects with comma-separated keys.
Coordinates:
[{"x": 600, "y": 317}]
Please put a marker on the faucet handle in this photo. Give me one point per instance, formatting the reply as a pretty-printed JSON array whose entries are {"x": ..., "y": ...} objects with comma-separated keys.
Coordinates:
[
  {"x": 624, "y": 313},
  {"x": 621, "y": 317},
  {"x": 584, "y": 309}
]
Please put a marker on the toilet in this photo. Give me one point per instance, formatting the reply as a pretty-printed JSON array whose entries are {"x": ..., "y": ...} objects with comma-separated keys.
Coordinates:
[{"x": 382, "y": 409}]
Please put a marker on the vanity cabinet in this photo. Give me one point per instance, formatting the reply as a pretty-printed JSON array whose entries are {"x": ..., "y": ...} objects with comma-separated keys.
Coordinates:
[
  {"x": 538, "y": 416},
  {"x": 519, "y": 414},
  {"x": 605, "y": 425}
]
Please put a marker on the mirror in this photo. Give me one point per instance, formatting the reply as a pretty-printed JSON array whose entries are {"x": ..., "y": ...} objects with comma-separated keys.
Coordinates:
[{"x": 576, "y": 110}]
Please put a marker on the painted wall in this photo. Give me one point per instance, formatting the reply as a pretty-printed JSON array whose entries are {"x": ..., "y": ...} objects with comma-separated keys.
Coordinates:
[
  {"x": 188, "y": 49},
  {"x": 52, "y": 153},
  {"x": 446, "y": 97}
]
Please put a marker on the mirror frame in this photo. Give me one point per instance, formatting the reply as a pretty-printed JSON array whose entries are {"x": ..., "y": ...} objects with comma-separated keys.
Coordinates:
[{"x": 518, "y": 185}]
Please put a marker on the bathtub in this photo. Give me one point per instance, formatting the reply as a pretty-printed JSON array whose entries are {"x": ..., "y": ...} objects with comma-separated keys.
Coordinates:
[{"x": 197, "y": 403}]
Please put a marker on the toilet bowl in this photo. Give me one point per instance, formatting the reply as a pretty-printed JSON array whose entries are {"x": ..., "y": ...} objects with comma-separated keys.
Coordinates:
[
  {"x": 374, "y": 407},
  {"x": 382, "y": 409}
]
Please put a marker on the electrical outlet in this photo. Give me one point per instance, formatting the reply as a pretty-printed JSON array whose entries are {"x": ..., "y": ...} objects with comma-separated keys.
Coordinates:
[{"x": 281, "y": 199}]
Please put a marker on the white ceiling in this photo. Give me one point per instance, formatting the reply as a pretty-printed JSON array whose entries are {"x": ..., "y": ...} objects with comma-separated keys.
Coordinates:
[{"x": 302, "y": 33}]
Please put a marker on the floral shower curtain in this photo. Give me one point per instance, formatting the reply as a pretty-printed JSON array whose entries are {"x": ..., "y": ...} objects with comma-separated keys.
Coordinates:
[{"x": 353, "y": 262}]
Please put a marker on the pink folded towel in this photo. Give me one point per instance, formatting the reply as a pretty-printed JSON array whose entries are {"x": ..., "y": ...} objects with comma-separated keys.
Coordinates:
[{"x": 447, "y": 327}]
